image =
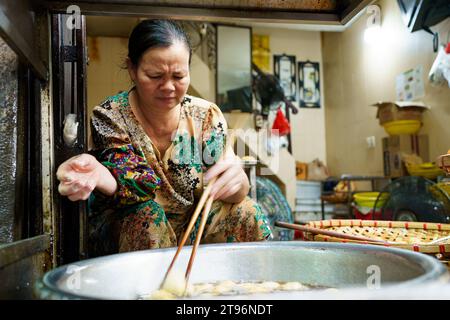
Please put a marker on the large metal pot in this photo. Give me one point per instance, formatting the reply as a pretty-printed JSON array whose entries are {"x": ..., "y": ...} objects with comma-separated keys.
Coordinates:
[{"x": 129, "y": 275}]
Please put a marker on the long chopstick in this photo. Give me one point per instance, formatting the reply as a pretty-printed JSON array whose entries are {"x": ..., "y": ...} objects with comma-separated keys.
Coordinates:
[
  {"x": 201, "y": 203},
  {"x": 194, "y": 217},
  {"x": 326, "y": 232},
  {"x": 198, "y": 237}
]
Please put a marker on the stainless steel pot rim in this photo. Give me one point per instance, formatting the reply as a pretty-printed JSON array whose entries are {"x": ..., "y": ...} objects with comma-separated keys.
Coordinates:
[{"x": 435, "y": 269}]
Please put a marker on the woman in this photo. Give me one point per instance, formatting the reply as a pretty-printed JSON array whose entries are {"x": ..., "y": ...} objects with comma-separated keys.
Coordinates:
[{"x": 155, "y": 149}]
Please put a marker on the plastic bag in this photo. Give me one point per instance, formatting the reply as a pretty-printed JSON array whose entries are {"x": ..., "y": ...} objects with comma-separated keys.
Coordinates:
[
  {"x": 317, "y": 170},
  {"x": 440, "y": 71},
  {"x": 281, "y": 124},
  {"x": 275, "y": 143}
]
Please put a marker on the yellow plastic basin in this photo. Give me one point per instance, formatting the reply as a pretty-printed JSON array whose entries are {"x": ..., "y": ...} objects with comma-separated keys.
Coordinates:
[
  {"x": 367, "y": 199},
  {"x": 427, "y": 170},
  {"x": 402, "y": 127}
]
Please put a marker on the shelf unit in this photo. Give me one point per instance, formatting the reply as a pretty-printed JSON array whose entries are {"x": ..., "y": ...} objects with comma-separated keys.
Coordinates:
[{"x": 375, "y": 182}]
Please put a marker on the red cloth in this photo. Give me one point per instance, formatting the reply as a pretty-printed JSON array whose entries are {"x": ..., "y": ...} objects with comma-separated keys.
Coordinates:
[
  {"x": 372, "y": 215},
  {"x": 447, "y": 48},
  {"x": 281, "y": 124}
]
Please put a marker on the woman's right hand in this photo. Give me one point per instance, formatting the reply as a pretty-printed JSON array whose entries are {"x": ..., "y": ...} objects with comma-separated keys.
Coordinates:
[{"x": 80, "y": 175}]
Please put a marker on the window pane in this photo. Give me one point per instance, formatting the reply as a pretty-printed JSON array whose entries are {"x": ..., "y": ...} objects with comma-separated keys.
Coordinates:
[{"x": 8, "y": 139}]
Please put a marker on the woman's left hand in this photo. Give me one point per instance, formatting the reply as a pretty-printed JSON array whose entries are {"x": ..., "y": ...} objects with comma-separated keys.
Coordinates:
[{"x": 232, "y": 183}]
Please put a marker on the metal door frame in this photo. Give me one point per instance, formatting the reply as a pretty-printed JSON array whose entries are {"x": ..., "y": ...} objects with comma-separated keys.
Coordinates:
[
  {"x": 28, "y": 256},
  {"x": 69, "y": 60}
]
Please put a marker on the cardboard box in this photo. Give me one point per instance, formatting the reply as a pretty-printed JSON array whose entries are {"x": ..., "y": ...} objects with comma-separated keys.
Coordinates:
[
  {"x": 301, "y": 169},
  {"x": 395, "y": 146},
  {"x": 400, "y": 110}
]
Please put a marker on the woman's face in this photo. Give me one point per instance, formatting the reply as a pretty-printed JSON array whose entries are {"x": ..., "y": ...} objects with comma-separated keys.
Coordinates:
[{"x": 162, "y": 76}]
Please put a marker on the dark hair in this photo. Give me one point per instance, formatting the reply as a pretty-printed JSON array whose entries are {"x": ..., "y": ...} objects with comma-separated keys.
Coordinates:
[{"x": 155, "y": 33}]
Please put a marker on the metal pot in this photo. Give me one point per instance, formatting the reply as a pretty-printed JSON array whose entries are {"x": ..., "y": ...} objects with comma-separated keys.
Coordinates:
[{"x": 337, "y": 265}]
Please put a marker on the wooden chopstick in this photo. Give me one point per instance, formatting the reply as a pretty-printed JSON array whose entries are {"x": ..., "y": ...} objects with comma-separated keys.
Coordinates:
[
  {"x": 201, "y": 203},
  {"x": 194, "y": 217},
  {"x": 198, "y": 237},
  {"x": 326, "y": 232}
]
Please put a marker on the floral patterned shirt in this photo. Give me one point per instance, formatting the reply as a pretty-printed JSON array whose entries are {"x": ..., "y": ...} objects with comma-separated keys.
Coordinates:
[{"x": 174, "y": 180}]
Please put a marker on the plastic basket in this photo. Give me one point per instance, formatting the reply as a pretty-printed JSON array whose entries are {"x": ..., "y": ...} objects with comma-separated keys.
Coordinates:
[
  {"x": 368, "y": 199},
  {"x": 427, "y": 170},
  {"x": 402, "y": 127}
]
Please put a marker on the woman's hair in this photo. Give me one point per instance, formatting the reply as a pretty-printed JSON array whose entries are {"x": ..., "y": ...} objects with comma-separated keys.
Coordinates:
[{"x": 155, "y": 33}]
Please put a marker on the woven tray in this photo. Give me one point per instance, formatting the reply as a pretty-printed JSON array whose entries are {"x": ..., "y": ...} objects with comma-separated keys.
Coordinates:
[{"x": 413, "y": 236}]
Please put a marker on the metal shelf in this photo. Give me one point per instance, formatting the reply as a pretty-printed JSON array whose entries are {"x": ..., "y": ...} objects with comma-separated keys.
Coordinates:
[{"x": 348, "y": 202}]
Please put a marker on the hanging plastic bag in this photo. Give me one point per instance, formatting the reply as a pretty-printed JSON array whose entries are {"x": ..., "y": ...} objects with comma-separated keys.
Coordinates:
[
  {"x": 440, "y": 70},
  {"x": 281, "y": 125},
  {"x": 274, "y": 143}
]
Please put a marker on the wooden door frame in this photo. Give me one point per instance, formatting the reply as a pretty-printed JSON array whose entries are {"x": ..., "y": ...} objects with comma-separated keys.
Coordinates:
[{"x": 325, "y": 12}]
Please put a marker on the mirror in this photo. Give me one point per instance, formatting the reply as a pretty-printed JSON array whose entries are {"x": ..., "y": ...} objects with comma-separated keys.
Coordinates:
[{"x": 234, "y": 78}]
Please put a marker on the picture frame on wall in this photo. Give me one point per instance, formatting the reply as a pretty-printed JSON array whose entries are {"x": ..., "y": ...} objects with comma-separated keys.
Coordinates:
[
  {"x": 284, "y": 70},
  {"x": 309, "y": 84}
]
